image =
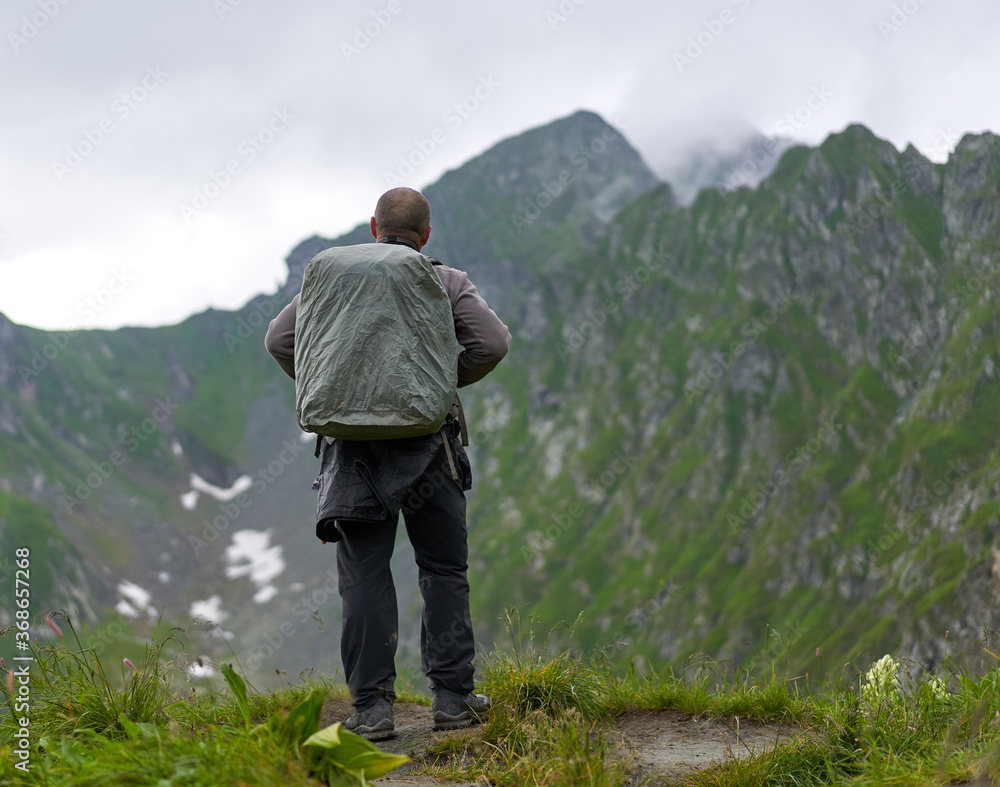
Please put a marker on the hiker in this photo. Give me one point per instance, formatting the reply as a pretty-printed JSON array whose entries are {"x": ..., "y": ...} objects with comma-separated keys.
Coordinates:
[{"x": 365, "y": 483}]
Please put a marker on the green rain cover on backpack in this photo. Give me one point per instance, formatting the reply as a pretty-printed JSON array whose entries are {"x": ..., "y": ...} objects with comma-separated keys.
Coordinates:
[{"x": 375, "y": 350}]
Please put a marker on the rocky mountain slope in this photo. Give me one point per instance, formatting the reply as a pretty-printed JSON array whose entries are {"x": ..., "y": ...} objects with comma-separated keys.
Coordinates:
[{"x": 751, "y": 427}]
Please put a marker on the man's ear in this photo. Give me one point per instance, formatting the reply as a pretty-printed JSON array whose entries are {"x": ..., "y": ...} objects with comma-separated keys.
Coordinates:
[
  {"x": 427, "y": 234},
  {"x": 374, "y": 228}
]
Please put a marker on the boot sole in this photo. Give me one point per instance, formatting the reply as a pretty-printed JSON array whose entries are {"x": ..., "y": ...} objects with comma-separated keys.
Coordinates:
[
  {"x": 457, "y": 723},
  {"x": 377, "y": 735}
]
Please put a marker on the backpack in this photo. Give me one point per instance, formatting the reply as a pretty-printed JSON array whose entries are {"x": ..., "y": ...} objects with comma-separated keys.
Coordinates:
[{"x": 376, "y": 355}]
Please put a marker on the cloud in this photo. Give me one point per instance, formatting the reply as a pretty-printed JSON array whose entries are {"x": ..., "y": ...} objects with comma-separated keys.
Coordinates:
[{"x": 356, "y": 112}]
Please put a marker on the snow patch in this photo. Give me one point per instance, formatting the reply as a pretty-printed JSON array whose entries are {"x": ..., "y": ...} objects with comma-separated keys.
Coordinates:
[
  {"x": 126, "y": 609},
  {"x": 240, "y": 485},
  {"x": 555, "y": 455},
  {"x": 198, "y": 485},
  {"x": 175, "y": 446},
  {"x": 209, "y": 609},
  {"x": 136, "y": 601},
  {"x": 265, "y": 594},
  {"x": 203, "y": 670},
  {"x": 251, "y": 554}
]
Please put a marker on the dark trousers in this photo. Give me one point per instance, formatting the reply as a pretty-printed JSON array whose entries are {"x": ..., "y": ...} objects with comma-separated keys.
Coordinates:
[{"x": 434, "y": 514}]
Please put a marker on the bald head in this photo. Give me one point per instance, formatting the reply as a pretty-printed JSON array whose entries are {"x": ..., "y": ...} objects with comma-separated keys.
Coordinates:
[{"x": 403, "y": 212}]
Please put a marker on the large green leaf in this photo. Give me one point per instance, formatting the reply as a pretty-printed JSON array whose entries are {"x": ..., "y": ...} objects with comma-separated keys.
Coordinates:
[
  {"x": 301, "y": 721},
  {"x": 348, "y": 751}
]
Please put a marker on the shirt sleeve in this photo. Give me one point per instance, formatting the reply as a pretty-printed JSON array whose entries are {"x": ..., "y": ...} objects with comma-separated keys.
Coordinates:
[
  {"x": 280, "y": 338},
  {"x": 479, "y": 330}
]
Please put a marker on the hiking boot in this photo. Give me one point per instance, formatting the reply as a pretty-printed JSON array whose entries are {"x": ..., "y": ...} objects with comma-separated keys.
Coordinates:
[
  {"x": 374, "y": 722},
  {"x": 453, "y": 710}
]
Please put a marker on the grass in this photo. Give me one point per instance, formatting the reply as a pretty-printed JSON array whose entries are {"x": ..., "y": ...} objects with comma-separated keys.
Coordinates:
[
  {"x": 554, "y": 721},
  {"x": 142, "y": 724}
]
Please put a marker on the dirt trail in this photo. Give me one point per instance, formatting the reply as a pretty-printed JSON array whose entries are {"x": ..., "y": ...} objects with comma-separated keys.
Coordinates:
[
  {"x": 662, "y": 746},
  {"x": 413, "y": 737},
  {"x": 671, "y": 744}
]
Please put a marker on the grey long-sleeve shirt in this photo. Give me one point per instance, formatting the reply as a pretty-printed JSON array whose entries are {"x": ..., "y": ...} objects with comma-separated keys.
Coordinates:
[{"x": 479, "y": 330}]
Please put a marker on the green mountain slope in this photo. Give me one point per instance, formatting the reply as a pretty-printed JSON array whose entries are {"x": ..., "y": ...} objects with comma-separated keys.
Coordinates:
[
  {"x": 773, "y": 408},
  {"x": 753, "y": 426}
]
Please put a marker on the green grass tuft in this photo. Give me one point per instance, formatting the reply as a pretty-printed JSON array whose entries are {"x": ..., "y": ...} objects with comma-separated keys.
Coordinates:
[{"x": 554, "y": 721}]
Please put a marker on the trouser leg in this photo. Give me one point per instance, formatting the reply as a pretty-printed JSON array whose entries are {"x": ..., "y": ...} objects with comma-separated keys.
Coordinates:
[
  {"x": 370, "y": 627},
  {"x": 436, "y": 527}
]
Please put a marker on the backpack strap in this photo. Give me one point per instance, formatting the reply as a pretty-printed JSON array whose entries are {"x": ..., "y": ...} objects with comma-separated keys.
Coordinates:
[{"x": 447, "y": 450}]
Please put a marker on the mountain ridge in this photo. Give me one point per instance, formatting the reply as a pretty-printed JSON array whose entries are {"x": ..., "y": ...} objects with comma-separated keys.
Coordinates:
[{"x": 634, "y": 450}]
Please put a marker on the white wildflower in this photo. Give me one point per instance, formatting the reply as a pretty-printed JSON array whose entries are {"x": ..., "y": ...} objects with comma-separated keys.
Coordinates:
[
  {"x": 938, "y": 689},
  {"x": 881, "y": 682}
]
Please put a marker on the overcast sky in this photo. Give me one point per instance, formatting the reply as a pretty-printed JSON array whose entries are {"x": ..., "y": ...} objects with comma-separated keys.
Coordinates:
[{"x": 164, "y": 156}]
